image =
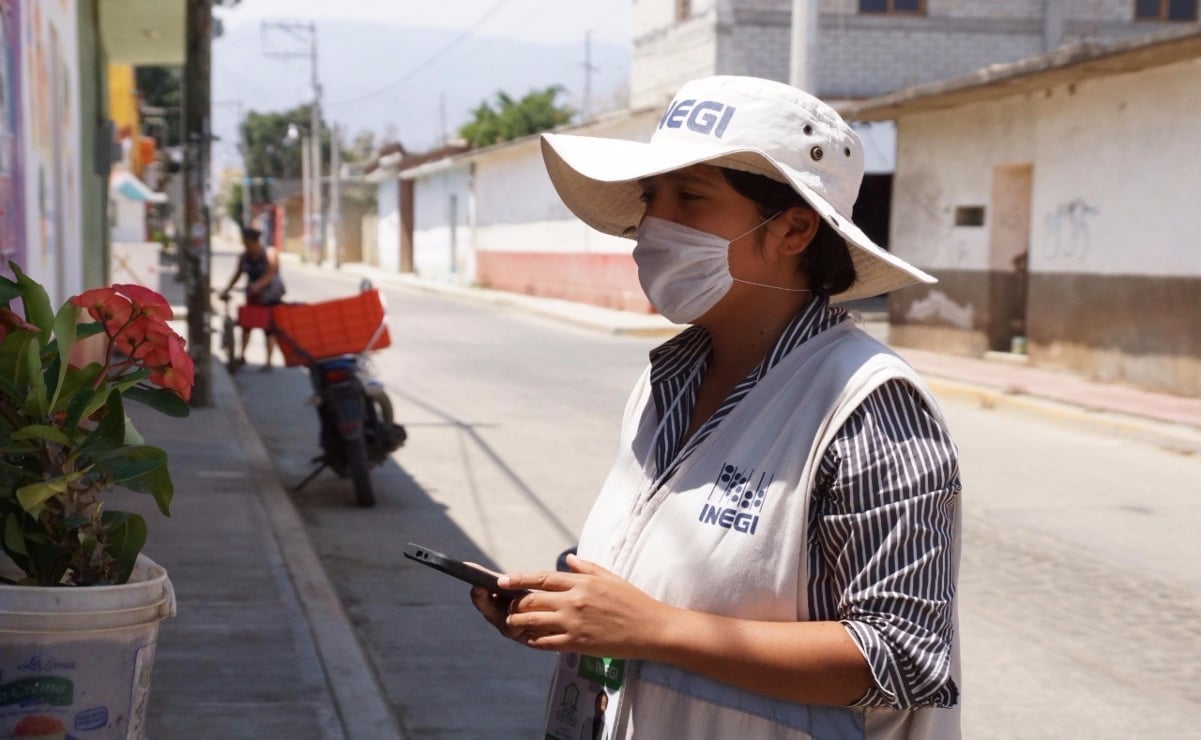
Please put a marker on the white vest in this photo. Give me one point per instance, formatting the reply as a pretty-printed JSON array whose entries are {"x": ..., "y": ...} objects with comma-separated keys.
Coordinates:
[{"x": 727, "y": 534}]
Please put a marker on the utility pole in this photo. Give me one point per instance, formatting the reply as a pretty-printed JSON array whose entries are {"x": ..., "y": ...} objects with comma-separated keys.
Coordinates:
[
  {"x": 802, "y": 68},
  {"x": 196, "y": 253},
  {"x": 586, "y": 107},
  {"x": 335, "y": 196},
  {"x": 306, "y": 186},
  {"x": 316, "y": 224}
]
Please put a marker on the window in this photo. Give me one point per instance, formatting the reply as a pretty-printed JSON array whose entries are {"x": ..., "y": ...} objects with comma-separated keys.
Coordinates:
[
  {"x": 969, "y": 215},
  {"x": 1165, "y": 10},
  {"x": 893, "y": 7}
]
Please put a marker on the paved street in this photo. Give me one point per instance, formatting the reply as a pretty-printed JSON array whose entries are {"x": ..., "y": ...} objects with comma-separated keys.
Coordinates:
[{"x": 1081, "y": 609}]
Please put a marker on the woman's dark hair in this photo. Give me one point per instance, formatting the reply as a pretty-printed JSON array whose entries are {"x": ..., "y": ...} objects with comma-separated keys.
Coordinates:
[
  {"x": 251, "y": 234},
  {"x": 827, "y": 259}
]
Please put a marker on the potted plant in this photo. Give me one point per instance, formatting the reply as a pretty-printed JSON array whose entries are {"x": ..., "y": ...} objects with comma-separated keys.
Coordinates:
[{"x": 79, "y": 603}]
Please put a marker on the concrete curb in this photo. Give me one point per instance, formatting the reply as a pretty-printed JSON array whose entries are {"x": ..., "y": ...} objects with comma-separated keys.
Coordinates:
[
  {"x": 358, "y": 695},
  {"x": 1174, "y": 437}
]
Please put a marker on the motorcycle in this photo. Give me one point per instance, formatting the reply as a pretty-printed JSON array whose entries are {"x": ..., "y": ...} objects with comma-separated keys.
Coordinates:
[{"x": 357, "y": 427}]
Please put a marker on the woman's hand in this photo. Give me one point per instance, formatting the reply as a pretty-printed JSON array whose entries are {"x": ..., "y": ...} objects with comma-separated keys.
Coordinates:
[{"x": 589, "y": 610}]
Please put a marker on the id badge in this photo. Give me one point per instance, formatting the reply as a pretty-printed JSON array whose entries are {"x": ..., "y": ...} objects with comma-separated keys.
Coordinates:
[{"x": 583, "y": 697}]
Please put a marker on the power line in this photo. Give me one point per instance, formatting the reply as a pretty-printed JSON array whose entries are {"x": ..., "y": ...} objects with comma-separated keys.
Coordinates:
[{"x": 429, "y": 61}]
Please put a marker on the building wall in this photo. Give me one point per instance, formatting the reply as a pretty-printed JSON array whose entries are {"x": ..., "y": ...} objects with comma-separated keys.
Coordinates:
[
  {"x": 388, "y": 225},
  {"x": 51, "y": 147},
  {"x": 525, "y": 240},
  {"x": 441, "y": 225},
  {"x": 860, "y": 55},
  {"x": 1114, "y": 284},
  {"x": 667, "y": 53}
]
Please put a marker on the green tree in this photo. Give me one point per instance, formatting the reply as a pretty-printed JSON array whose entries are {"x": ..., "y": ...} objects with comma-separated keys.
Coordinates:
[
  {"x": 268, "y": 151},
  {"x": 509, "y": 119},
  {"x": 234, "y": 204},
  {"x": 161, "y": 87}
]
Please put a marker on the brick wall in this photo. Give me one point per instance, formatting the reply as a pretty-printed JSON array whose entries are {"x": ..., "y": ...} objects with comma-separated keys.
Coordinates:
[{"x": 859, "y": 55}]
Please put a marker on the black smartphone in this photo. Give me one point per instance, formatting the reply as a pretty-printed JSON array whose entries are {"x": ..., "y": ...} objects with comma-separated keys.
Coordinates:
[{"x": 472, "y": 574}]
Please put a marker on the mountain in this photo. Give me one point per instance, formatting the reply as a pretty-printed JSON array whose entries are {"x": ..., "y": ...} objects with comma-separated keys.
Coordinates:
[{"x": 442, "y": 77}]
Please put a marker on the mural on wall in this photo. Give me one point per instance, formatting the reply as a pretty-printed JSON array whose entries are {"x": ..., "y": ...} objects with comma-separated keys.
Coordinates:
[
  {"x": 53, "y": 141},
  {"x": 12, "y": 183}
]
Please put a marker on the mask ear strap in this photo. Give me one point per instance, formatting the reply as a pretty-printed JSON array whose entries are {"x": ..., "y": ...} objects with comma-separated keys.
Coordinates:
[
  {"x": 764, "y": 285},
  {"x": 757, "y": 226}
]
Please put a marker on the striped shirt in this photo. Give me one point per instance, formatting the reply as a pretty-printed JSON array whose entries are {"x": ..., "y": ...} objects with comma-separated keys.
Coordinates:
[{"x": 881, "y": 521}]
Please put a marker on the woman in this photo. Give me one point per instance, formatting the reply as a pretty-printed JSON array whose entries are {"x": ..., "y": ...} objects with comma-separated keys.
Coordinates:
[
  {"x": 775, "y": 552},
  {"x": 264, "y": 289}
]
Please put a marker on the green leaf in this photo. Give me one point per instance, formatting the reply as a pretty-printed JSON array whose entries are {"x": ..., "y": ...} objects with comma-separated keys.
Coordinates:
[
  {"x": 37, "y": 303},
  {"x": 126, "y": 463},
  {"x": 83, "y": 404},
  {"x": 75, "y": 380},
  {"x": 110, "y": 432},
  {"x": 126, "y": 538},
  {"x": 9, "y": 290},
  {"x": 160, "y": 399},
  {"x": 90, "y": 329},
  {"x": 157, "y": 483},
  {"x": 14, "y": 536},
  {"x": 130, "y": 380},
  {"x": 64, "y": 340},
  {"x": 41, "y": 431},
  {"x": 35, "y": 401},
  {"x": 33, "y": 496}
]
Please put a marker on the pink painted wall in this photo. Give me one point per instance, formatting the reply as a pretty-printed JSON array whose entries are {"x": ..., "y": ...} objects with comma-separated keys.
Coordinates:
[{"x": 608, "y": 280}]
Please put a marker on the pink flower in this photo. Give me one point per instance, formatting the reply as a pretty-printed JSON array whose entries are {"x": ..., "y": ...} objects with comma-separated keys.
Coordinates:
[
  {"x": 146, "y": 301},
  {"x": 106, "y": 306}
]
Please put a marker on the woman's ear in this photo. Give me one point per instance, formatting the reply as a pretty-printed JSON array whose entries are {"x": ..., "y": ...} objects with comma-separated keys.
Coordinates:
[{"x": 802, "y": 224}]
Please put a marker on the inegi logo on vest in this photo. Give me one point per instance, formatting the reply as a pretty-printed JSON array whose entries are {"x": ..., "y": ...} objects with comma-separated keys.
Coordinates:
[
  {"x": 736, "y": 499},
  {"x": 704, "y": 116}
]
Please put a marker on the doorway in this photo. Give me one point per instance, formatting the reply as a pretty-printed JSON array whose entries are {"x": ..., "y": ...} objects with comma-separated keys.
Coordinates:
[{"x": 1009, "y": 256}]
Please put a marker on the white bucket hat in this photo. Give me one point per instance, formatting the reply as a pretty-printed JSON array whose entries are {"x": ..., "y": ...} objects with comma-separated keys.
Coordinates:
[{"x": 742, "y": 123}]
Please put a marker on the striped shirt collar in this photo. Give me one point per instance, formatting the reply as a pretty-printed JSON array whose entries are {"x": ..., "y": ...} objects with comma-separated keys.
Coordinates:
[
  {"x": 678, "y": 364},
  {"x": 682, "y": 353}
]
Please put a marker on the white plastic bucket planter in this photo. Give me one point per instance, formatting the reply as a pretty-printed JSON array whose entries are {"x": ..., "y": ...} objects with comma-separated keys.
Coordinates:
[{"x": 75, "y": 662}]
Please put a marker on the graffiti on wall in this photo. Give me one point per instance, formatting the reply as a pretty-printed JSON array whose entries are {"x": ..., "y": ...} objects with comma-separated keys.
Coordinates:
[
  {"x": 12, "y": 182},
  {"x": 1069, "y": 235}
]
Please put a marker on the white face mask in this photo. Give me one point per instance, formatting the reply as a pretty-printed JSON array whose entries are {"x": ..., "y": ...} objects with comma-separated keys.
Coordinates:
[{"x": 685, "y": 271}]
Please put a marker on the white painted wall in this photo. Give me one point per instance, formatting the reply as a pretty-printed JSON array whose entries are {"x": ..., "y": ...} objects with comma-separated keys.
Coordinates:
[
  {"x": 517, "y": 208},
  {"x": 128, "y": 219},
  {"x": 1121, "y": 161},
  {"x": 441, "y": 225},
  {"x": 667, "y": 53},
  {"x": 388, "y": 224},
  {"x": 51, "y": 133},
  {"x": 1115, "y": 175}
]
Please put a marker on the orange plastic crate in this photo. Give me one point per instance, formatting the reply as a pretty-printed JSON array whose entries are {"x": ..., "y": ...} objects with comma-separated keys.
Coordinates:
[{"x": 331, "y": 328}]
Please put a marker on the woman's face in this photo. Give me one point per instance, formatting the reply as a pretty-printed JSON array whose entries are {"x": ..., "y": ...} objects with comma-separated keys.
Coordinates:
[{"x": 699, "y": 197}]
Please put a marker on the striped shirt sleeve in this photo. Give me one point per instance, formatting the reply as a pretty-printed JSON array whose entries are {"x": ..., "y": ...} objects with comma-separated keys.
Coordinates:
[{"x": 881, "y": 552}]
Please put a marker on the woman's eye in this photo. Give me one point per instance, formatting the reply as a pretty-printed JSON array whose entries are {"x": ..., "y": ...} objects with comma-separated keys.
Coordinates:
[{"x": 687, "y": 195}]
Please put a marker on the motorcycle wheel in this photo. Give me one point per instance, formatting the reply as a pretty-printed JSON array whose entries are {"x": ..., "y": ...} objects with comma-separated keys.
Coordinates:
[{"x": 356, "y": 464}]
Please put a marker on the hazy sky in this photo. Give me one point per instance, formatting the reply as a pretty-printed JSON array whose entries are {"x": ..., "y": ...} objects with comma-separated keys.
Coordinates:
[
  {"x": 362, "y": 78},
  {"x": 528, "y": 20}
]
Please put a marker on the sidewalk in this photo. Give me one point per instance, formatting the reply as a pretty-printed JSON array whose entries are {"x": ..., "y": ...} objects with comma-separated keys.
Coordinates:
[{"x": 262, "y": 647}]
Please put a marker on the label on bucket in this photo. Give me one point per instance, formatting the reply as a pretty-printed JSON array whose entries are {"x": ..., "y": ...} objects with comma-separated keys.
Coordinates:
[{"x": 56, "y": 687}]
